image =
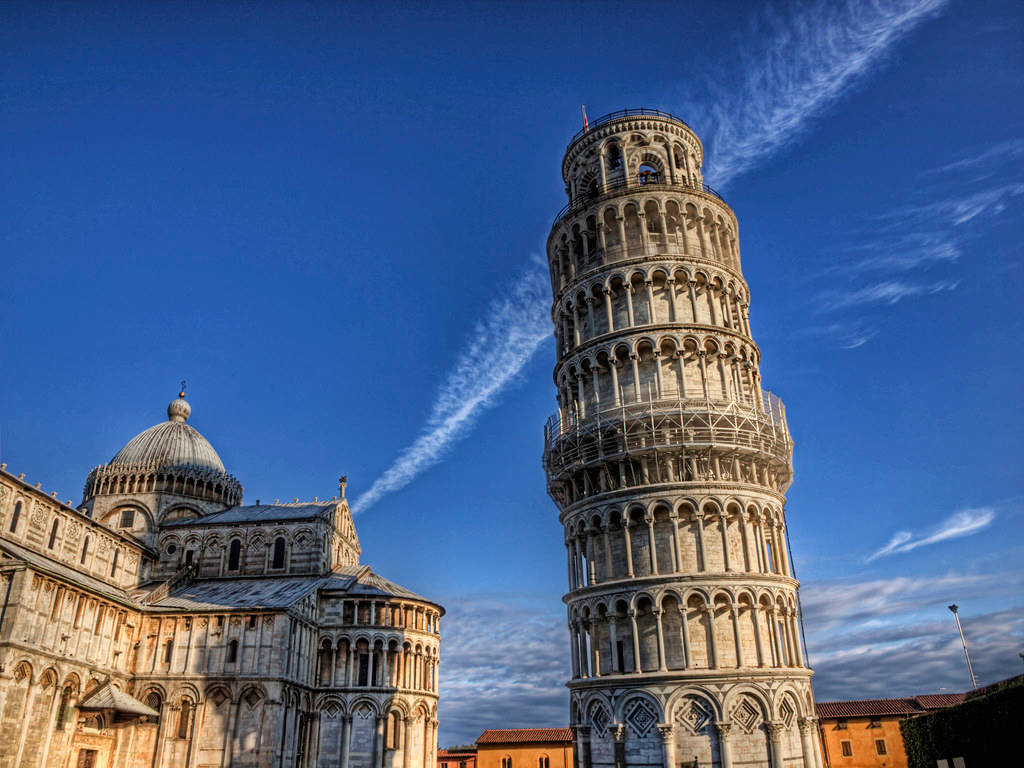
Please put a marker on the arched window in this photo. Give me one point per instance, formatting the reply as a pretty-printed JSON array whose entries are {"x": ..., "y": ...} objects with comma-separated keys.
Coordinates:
[
  {"x": 543, "y": 762},
  {"x": 113, "y": 562},
  {"x": 53, "y": 535},
  {"x": 506, "y": 762},
  {"x": 153, "y": 702},
  {"x": 15, "y": 517},
  {"x": 279, "y": 545},
  {"x": 85, "y": 550},
  {"x": 232, "y": 656},
  {"x": 234, "y": 554},
  {"x": 614, "y": 158},
  {"x": 184, "y": 718},
  {"x": 394, "y": 733},
  {"x": 648, "y": 174},
  {"x": 62, "y": 708}
]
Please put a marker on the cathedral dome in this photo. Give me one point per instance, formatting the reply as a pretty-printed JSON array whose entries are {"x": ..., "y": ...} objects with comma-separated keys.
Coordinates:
[{"x": 172, "y": 443}]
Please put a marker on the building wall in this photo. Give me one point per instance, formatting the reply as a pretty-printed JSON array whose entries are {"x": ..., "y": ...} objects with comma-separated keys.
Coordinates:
[
  {"x": 559, "y": 755},
  {"x": 290, "y": 698},
  {"x": 862, "y": 737},
  {"x": 669, "y": 464}
]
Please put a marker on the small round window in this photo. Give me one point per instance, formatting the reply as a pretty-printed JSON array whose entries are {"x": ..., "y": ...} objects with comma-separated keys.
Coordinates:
[{"x": 172, "y": 548}]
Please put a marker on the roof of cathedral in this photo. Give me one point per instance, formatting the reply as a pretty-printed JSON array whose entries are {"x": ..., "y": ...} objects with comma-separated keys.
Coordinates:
[
  {"x": 220, "y": 594},
  {"x": 172, "y": 443},
  {"x": 360, "y": 580},
  {"x": 280, "y": 591},
  {"x": 62, "y": 571},
  {"x": 109, "y": 697},
  {"x": 260, "y": 513}
]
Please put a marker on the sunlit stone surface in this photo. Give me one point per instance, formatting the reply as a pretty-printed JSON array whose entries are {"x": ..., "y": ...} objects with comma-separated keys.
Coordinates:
[{"x": 669, "y": 464}]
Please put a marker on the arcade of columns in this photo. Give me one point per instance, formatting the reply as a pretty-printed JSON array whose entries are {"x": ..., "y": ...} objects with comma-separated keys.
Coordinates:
[{"x": 669, "y": 465}]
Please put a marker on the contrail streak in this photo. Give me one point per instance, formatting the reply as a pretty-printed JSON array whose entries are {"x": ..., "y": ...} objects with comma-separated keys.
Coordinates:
[
  {"x": 808, "y": 62},
  {"x": 498, "y": 348},
  {"x": 805, "y": 63}
]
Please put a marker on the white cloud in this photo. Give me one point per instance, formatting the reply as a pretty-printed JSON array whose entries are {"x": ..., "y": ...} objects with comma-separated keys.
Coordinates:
[
  {"x": 906, "y": 254},
  {"x": 809, "y": 61},
  {"x": 499, "y": 346},
  {"x": 960, "y": 524},
  {"x": 798, "y": 66},
  {"x": 505, "y": 661},
  {"x": 961, "y": 208},
  {"x": 1002, "y": 151},
  {"x": 886, "y": 292}
]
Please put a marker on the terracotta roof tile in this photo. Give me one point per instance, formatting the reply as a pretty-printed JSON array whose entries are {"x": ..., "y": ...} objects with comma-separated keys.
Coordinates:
[
  {"x": 940, "y": 700},
  {"x": 869, "y": 708},
  {"x": 524, "y": 735}
]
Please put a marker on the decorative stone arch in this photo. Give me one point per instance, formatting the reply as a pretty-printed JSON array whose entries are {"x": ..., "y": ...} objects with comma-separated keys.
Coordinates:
[
  {"x": 643, "y": 594},
  {"x": 213, "y": 690},
  {"x": 640, "y": 712},
  {"x": 252, "y": 695},
  {"x": 138, "y": 508}
]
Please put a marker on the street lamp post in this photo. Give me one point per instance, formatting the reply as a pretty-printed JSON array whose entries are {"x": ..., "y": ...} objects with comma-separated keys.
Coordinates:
[{"x": 954, "y": 608}]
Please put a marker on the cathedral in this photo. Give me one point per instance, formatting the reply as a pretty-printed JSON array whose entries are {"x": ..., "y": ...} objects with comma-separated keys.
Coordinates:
[
  {"x": 163, "y": 624},
  {"x": 669, "y": 464}
]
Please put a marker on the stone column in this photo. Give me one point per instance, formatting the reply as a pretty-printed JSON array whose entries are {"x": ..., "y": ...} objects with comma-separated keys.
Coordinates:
[
  {"x": 618, "y": 732},
  {"x": 693, "y": 298},
  {"x": 613, "y": 368},
  {"x": 755, "y": 611},
  {"x": 574, "y": 650},
  {"x": 677, "y": 566},
  {"x": 726, "y": 748},
  {"x": 568, "y": 555},
  {"x": 659, "y": 386},
  {"x": 724, "y": 520},
  {"x": 629, "y": 548},
  {"x": 583, "y": 738},
  {"x": 607, "y": 553},
  {"x": 775, "y": 731},
  {"x": 798, "y": 649},
  {"x": 701, "y": 564},
  {"x": 636, "y": 642},
  {"x": 595, "y": 669},
  {"x": 378, "y": 742},
  {"x": 407, "y": 745},
  {"x": 668, "y": 744},
  {"x": 661, "y": 640},
  {"x": 608, "y": 309},
  {"x": 651, "y": 545},
  {"x": 807, "y": 734},
  {"x": 685, "y": 629},
  {"x": 736, "y": 634},
  {"x": 613, "y": 643},
  {"x": 652, "y": 317},
  {"x": 670, "y": 285},
  {"x": 645, "y": 239},
  {"x": 709, "y": 611},
  {"x": 346, "y": 740},
  {"x": 637, "y": 395}
]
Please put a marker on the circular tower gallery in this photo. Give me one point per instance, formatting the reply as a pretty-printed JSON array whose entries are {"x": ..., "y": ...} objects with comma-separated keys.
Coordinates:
[{"x": 669, "y": 464}]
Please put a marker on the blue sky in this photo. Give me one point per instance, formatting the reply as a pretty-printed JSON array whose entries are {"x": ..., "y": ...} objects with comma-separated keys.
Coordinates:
[{"x": 327, "y": 217}]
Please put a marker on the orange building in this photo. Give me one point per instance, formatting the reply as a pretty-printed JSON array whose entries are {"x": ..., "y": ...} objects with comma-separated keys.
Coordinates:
[
  {"x": 525, "y": 748},
  {"x": 866, "y": 733},
  {"x": 456, "y": 758}
]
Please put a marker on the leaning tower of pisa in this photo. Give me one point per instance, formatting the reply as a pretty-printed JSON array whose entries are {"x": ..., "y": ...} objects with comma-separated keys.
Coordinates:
[{"x": 669, "y": 463}]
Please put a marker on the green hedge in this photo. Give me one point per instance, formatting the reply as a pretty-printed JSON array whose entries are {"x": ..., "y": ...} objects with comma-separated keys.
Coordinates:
[{"x": 981, "y": 730}]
